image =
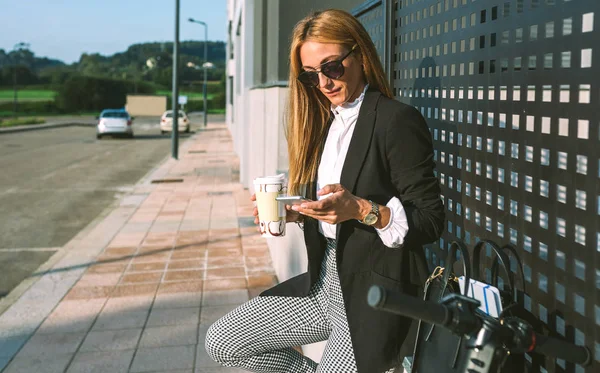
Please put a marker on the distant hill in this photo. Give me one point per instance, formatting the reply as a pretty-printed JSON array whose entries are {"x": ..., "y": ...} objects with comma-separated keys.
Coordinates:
[
  {"x": 151, "y": 62},
  {"x": 26, "y": 57},
  {"x": 190, "y": 51}
]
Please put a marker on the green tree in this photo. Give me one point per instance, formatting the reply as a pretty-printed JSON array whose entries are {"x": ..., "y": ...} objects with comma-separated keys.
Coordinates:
[
  {"x": 56, "y": 76},
  {"x": 24, "y": 74}
]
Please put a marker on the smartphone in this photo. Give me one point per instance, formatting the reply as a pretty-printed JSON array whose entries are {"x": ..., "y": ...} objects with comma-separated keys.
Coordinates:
[{"x": 292, "y": 200}]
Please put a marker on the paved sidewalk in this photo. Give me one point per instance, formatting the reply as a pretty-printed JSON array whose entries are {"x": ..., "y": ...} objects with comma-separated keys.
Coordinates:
[{"x": 137, "y": 292}]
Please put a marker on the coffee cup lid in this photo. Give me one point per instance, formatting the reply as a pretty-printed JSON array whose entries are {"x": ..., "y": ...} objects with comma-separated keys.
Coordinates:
[{"x": 276, "y": 179}]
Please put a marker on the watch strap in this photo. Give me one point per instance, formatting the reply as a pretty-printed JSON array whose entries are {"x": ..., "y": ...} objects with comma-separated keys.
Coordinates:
[
  {"x": 374, "y": 208},
  {"x": 374, "y": 211}
]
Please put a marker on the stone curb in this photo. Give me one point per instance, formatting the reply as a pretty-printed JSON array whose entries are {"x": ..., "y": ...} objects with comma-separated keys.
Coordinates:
[{"x": 42, "y": 127}]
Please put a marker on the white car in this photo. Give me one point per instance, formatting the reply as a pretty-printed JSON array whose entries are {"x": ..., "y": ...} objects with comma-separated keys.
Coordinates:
[
  {"x": 166, "y": 122},
  {"x": 114, "y": 122}
]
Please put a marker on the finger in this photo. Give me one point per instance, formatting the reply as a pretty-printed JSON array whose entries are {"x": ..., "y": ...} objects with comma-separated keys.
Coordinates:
[
  {"x": 311, "y": 215},
  {"x": 253, "y": 197},
  {"x": 315, "y": 205},
  {"x": 255, "y": 212},
  {"x": 292, "y": 216},
  {"x": 325, "y": 203},
  {"x": 312, "y": 212},
  {"x": 306, "y": 205},
  {"x": 330, "y": 188},
  {"x": 331, "y": 219}
]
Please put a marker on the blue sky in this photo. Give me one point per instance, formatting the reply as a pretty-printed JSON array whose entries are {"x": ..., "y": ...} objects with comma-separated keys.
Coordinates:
[{"x": 64, "y": 29}]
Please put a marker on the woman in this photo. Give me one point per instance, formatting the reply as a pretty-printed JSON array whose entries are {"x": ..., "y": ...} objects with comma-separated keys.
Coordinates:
[{"x": 366, "y": 161}]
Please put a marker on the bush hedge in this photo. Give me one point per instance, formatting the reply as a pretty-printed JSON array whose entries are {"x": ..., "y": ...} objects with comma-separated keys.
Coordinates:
[
  {"x": 93, "y": 94},
  {"x": 86, "y": 93},
  {"x": 217, "y": 102},
  {"x": 32, "y": 107}
]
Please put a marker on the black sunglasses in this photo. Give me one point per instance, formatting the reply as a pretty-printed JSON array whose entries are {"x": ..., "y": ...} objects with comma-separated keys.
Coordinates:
[{"x": 331, "y": 69}]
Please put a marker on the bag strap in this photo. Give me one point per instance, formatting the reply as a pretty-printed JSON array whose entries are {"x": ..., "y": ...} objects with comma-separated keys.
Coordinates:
[
  {"x": 455, "y": 248},
  {"x": 501, "y": 258},
  {"x": 513, "y": 251}
]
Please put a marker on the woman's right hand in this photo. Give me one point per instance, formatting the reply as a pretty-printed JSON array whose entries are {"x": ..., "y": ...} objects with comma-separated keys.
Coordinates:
[{"x": 291, "y": 216}]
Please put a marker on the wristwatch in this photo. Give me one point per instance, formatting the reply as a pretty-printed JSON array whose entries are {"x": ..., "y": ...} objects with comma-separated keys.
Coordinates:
[{"x": 372, "y": 217}]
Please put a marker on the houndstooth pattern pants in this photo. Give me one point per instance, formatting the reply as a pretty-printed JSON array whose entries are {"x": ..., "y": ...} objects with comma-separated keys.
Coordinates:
[{"x": 259, "y": 335}]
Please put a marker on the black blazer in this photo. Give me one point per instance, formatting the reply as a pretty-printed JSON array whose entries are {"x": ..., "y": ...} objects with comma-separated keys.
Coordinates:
[{"x": 390, "y": 155}]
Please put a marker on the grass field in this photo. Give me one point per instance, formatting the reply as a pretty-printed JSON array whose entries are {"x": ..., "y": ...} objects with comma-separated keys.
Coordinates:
[
  {"x": 28, "y": 95},
  {"x": 48, "y": 95},
  {"x": 21, "y": 121},
  {"x": 6, "y": 115}
]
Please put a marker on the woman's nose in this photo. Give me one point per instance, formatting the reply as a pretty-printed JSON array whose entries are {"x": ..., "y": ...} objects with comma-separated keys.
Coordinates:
[{"x": 323, "y": 80}]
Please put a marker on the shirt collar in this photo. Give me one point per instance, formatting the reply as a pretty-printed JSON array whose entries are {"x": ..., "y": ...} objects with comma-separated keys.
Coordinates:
[{"x": 350, "y": 108}]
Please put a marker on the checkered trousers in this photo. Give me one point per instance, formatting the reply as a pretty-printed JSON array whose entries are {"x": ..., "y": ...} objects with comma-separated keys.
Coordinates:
[{"x": 259, "y": 335}]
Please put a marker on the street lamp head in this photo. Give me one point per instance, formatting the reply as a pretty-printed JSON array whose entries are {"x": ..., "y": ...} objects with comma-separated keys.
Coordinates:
[
  {"x": 196, "y": 21},
  {"x": 151, "y": 63}
]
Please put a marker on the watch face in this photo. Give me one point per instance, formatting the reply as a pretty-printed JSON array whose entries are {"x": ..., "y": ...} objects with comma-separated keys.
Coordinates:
[{"x": 370, "y": 219}]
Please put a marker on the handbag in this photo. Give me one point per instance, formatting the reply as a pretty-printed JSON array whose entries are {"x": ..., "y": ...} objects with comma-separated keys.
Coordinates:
[{"x": 435, "y": 346}]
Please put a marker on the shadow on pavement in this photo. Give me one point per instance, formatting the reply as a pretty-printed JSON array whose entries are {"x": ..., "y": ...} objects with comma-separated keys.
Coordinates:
[
  {"x": 126, "y": 257},
  {"x": 208, "y": 129},
  {"x": 165, "y": 136},
  {"x": 147, "y": 137}
]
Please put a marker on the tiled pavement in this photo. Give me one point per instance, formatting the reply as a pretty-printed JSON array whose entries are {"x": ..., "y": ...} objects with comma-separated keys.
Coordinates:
[{"x": 183, "y": 256}]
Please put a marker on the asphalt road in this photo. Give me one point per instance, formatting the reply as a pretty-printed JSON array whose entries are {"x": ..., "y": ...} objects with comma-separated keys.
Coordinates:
[{"x": 54, "y": 182}]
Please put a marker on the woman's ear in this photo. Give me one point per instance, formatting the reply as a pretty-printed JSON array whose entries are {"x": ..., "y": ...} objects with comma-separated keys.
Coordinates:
[{"x": 360, "y": 59}]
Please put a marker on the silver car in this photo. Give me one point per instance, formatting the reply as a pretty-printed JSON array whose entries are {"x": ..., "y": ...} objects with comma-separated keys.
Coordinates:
[{"x": 114, "y": 122}]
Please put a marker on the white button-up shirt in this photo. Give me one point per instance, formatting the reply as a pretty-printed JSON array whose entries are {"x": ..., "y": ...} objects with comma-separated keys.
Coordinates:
[{"x": 330, "y": 172}]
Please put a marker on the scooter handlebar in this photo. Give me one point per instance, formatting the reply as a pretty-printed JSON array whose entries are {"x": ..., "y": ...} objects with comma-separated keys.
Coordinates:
[{"x": 406, "y": 305}]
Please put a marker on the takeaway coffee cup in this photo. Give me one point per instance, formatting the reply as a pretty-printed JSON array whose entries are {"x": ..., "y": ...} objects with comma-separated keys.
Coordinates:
[{"x": 271, "y": 213}]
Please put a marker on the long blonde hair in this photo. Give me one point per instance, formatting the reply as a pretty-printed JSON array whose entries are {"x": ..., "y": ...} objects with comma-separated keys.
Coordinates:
[{"x": 308, "y": 110}]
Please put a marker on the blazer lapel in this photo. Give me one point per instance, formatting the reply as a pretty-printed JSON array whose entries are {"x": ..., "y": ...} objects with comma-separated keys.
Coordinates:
[
  {"x": 359, "y": 144},
  {"x": 361, "y": 140}
]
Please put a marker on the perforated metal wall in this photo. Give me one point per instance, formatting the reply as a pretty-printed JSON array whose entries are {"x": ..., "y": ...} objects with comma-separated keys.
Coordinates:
[
  {"x": 511, "y": 91},
  {"x": 372, "y": 15}
]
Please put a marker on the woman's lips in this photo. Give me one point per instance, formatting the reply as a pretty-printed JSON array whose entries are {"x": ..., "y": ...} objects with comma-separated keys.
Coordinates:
[{"x": 332, "y": 93}]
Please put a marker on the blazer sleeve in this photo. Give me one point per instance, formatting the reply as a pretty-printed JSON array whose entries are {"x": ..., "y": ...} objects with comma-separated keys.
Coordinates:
[{"x": 409, "y": 151}]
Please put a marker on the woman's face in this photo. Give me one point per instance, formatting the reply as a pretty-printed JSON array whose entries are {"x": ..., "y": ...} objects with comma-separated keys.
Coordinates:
[{"x": 347, "y": 87}]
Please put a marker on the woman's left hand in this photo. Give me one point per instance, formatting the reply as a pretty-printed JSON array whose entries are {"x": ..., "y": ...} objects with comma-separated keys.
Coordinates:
[{"x": 340, "y": 206}]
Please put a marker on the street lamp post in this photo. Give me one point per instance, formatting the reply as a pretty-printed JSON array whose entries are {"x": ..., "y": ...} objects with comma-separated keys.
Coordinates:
[
  {"x": 206, "y": 66},
  {"x": 175, "y": 94},
  {"x": 205, "y": 61},
  {"x": 17, "y": 47}
]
